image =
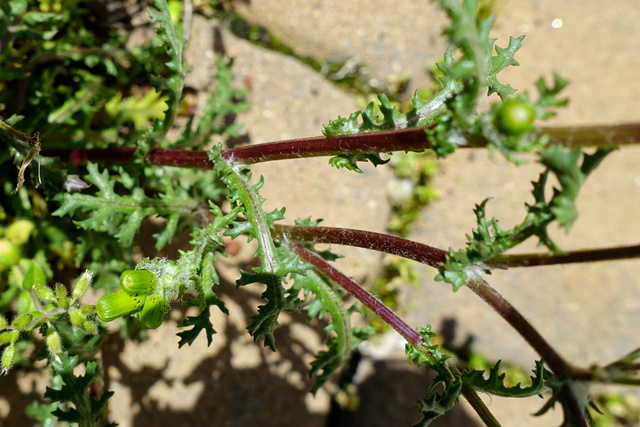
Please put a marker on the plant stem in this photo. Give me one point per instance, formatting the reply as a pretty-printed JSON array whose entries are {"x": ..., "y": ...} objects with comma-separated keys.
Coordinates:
[
  {"x": 496, "y": 301},
  {"x": 555, "y": 362},
  {"x": 478, "y": 405},
  {"x": 409, "y": 139},
  {"x": 387, "y": 315},
  {"x": 363, "y": 143},
  {"x": 192, "y": 159},
  {"x": 591, "y": 255},
  {"x": 432, "y": 256},
  {"x": 594, "y": 136},
  {"x": 373, "y": 303},
  {"x": 364, "y": 239}
]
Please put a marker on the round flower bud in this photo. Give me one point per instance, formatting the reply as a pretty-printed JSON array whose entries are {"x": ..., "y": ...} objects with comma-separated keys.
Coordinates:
[{"x": 515, "y": 116}]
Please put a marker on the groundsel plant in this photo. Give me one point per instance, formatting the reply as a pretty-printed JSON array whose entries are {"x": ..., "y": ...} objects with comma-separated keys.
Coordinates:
[{"x": 109, "y": 188}]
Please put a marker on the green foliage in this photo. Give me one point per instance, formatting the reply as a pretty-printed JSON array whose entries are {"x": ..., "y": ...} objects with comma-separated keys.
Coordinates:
[
  {"x": 169, "y": 37},
  {"x": 200, "y": 323},
  {"x": 87, "y": 411},
  {"x": 451, "y": 382},
  {"x": 225, "y": 101},
  {"x": 72, "y": 70},
  {"x": 342, "y": 338},
  {"x": 276, "y": 262},
  {"x": 562, "y": 387},
  {"x": 571, "y": 167},
  {"x": 437, "y": 404},
  {"x": 81, "y": 87},
  {"x": 495, "y": 383},
  {"x": 440, "y": 401},
  {"x": 350, "y": 161},
  {"x": 122, "y": 215}
]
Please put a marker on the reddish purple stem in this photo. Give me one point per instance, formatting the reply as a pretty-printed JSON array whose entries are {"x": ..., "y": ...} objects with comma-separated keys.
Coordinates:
[
  {"x": 374, "y": 304},
  {"x": 365, "y": 239},
  {"x": 363, "y": 143},
  {"x": 410, "y": 139}
]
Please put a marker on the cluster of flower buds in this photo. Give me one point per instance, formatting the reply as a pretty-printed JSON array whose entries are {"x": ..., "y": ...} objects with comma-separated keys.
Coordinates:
[{"x": 135, "y": 295}]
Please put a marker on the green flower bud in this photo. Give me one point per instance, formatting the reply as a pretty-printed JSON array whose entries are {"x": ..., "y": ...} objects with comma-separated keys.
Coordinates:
[
  {"x": 54, "y": 343},
  {"x": 87, "y": 309},
  {"x": 515, "y": 116},
  {"x": 89, "y": 327},
  {"x": 137, "y": 281},
  {"x": 23, "y": 322},
  {"x": 9, "y": 337},
  {"x": 19, "y": 231},
  {"x": 76, "y": 317},
  {"x": 82, "y": 284},
  {"x": 44, "y": 293},
  {"x": 152, "y": 312},
  {"x": 62, "y": 296},
  {"x": 8, "y": 358},
  {"x": 118, "y": 304},
  {"x": 9, "y": 254}
]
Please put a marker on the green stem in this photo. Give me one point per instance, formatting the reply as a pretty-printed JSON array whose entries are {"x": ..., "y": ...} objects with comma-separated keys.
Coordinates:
[{"x": 478, "y": 405}]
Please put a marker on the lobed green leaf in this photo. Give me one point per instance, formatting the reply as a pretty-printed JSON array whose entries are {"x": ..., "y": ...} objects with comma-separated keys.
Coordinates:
[{"x": 495, "y": 383}]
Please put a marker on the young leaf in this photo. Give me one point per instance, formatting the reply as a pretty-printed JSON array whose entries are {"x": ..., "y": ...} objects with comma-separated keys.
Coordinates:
[
  {"x": 437, "y": 404},
  {"x": 503, "y": 59},
  {"x": 342, "y": 339},
  {"x": 350, "y": 161},
  {"x": 200, "y": 323},
  {"x": 75, "y": 389},
  {"x": 276, "y": 262},
  {"x": 495, "y": 383},
  {"x": 172, "y": 87},
  {"x": 571, "y": 174},
  {"x": 119, "y": 215}
]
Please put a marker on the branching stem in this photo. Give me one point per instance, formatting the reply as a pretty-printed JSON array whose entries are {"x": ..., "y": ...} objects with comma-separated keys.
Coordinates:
[
  {"x": 364, "y": 143},
  {"x": 432, "y": 256},
  {"x": 478, "y": 285},
  {"x": 388, "y": 316},
  {"x": 364, "y": 239}
]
